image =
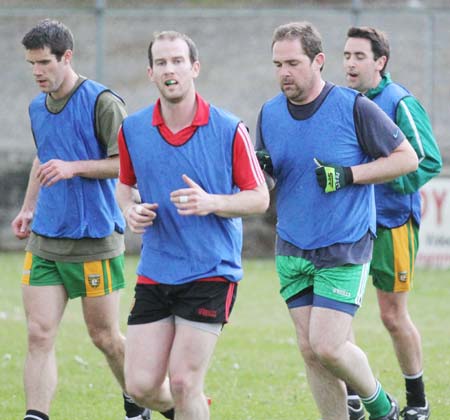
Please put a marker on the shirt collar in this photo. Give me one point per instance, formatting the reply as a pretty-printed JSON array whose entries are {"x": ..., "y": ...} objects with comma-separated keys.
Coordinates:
[
  {"x": 385, "y": 80},
  {"x": 201, "y": 116}
]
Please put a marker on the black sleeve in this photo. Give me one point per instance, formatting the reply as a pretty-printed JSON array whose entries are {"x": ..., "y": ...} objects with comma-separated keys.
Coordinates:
[
  {"x": 259, "y": 143},
  {"x": 377, "y": 133}
]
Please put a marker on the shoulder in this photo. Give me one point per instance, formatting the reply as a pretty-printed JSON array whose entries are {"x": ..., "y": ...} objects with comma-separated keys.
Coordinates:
[
  {"x": 223, "y": 114},
  {"x": 343, "y": 92},
  {"x": 141, "y": 114},
  {"x": 280, "y": 98},
  {"x": 39, "y": 99}
]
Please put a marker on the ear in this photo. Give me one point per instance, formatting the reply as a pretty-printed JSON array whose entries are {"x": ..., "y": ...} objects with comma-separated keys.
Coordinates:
[
  {"x": 319, "y": 60},
  {"x": 67, "y": 56},
  {"x": 195, "y": 69},
  {"x": 380, "y": 63},
  {"x": 150, "y": 73}
]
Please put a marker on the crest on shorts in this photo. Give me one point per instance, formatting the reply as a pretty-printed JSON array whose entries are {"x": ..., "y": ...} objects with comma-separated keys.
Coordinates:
[
  {"x": 403, "y": 276},
  {"x": 94, "y": 280}
]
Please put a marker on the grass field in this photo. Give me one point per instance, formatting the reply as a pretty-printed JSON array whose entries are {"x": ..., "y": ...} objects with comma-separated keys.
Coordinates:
[{"x": 256, "y": 373}]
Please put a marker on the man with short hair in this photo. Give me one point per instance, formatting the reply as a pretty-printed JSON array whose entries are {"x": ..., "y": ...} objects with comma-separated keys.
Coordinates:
[
  {"x": 69, "y": 215},
  {"x": 197, "y": 174},
  {"x": 324, "y": 145},
  {"x": 398, "y": 205}
]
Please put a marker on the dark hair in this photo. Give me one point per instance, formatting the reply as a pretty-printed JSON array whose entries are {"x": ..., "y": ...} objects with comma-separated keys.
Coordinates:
[
  {"x": 52, "y": 34},
  {"x": 378, "y": 41},
  {"x": 172, "y": 35},
  {"x": 305, "y": 32}
]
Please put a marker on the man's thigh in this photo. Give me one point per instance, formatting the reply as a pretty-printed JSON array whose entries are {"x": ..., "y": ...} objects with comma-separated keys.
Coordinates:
[
  {"x": 191, "y": 352},
  {"x": 147, "y": 351}
]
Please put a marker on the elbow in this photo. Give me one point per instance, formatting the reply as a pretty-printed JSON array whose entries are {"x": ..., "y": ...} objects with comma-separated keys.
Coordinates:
[
  {"x": 414, "y": 163},
  {"x": 410, "y": 163},
  {"x": 264, "y": 201}
]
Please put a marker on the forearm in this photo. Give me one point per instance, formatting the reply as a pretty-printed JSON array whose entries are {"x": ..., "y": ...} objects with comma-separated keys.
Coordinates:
[
  {"x": 97, "y": 169},
  {"x": 125, "y": 196},
  {"x": 400, "y": 162},
  {"x": 243, "y": 203},
  {"x": 32, "y": 192}
]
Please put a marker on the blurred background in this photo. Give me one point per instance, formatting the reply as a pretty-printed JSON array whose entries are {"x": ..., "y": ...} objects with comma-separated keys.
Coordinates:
[{"x": 234, "y": 38}]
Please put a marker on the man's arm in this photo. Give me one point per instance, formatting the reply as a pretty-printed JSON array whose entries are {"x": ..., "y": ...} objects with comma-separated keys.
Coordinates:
[
  {"x": 138, "y": 216},
  {"x": 264, "y": 159},
  {"x": 196, "y": 201},
  {"x": 252, "y": 198},
  {"x": 414, "y": 122},
  {"x": 109, "y": 114},
  {"x": 56, "y": 170},
  {"x": 381, "y": 140},
  {"x": 22, "y": 222},
  {"x": 402, "y": 160}
]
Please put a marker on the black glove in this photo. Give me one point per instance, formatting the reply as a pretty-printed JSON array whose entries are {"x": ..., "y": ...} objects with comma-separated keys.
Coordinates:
[
  {"x": 265, "y": 161},
  {"x": 333, "y": 177}
]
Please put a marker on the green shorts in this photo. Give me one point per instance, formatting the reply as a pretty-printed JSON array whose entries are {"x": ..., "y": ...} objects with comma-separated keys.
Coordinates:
[
  {"x": 346, "y": 283},
  {"x": 394, "y": 254},
  {"x": 91, "y": 278}
]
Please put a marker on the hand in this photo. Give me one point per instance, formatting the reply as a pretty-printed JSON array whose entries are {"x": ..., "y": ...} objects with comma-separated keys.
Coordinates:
[
  {"x": 333, "y": 177},
  {"x": 140, "y": 216},
  {"x": 53, "y": 171},
  {"x": 265, "y": 161},
  {"x": 193, "y": 201},
  {"x": 21, "y": 224}
]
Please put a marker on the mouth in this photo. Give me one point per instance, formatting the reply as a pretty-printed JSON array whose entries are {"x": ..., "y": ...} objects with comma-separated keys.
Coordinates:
[
  {"x": 288, "y": 85},
  {"x": 170, "y": 82}
]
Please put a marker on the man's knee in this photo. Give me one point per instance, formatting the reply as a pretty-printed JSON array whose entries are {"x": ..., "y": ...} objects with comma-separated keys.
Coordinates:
[
  {"x": 41, "y": 335},
  {"x": 394, "y": 318},
  {"x": 183, "y": 386},
  {"x": 326, "y": 352},
  {"x": 107, "y": 340},
  {"x": 141, "y": 388}
]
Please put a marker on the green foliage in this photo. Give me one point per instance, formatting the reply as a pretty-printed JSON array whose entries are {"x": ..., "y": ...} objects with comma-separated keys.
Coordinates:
[{"x": 256, "y": 372}]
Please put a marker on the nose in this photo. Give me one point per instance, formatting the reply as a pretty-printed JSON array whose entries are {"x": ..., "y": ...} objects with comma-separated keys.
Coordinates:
[
  {"x": 349, "y": 61},
  {"x": 170, "y": 67},
  {"x": 283, "y": 70},
  {"x": 37, "y": 69}
]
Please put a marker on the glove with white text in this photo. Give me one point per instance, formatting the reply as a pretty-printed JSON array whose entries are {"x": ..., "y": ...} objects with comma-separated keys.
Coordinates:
[{"x": 333, "y": 177}]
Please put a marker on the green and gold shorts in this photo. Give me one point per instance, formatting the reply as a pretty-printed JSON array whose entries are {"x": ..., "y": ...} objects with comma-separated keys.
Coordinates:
[
  {"x": 90, "y": 279},
  {"x": 394, "y": 254}
]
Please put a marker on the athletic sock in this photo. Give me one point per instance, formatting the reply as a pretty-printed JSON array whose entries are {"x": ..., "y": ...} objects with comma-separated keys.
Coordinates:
[
  {"x": 415, "y": 390},
  {"x": 378, "y": 404},
  {"x": 35, "y": 415},
  {"x": 169, "y": 414},
  {"x": 131, "y": 408}
]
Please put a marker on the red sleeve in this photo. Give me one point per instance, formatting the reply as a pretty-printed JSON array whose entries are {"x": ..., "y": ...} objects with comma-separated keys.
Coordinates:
[
  {"x": 126, "y": 172},
  {"x": 247, "y": 173}
]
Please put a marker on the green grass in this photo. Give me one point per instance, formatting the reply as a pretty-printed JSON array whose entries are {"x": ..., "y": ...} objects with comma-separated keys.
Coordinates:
[{"x": 256, "y": 373}]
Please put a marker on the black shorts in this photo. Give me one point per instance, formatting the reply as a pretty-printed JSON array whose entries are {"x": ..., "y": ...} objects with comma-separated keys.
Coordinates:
[{"x": 199, "y": 301}]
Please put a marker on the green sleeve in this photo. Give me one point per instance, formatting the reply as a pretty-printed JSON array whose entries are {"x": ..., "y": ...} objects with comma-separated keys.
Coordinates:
[
  {"x": 413, "y": 120},
  {"x": 109, "y": 115}
]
